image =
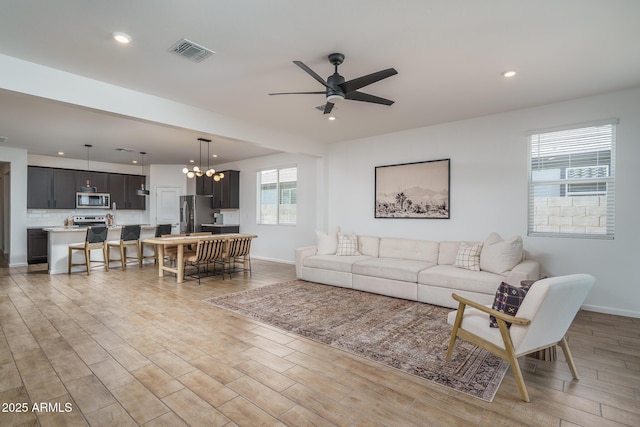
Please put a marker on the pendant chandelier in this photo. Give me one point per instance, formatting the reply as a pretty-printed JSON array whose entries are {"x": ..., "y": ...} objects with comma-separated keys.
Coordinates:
[
  {"x": 142, "y": 191},
  {"x": 197, "y": 171}
]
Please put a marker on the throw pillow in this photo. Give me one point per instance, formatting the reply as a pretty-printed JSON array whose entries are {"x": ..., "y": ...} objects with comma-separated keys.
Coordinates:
[
  {"x": 500, "y": 256},
  {"x": 327, "y": 243},
  {"x": 347, "y": 245},
  {"x": 468, "y": 256},
  {"x": 508, "y": 300}
]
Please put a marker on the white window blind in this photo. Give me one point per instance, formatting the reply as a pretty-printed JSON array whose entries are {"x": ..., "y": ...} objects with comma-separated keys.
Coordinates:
[
  {"x": 277, "y": 196},
  {"x": 572, "y": 181}
]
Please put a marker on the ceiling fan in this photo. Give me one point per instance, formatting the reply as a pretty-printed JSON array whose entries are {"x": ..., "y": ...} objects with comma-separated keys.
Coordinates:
[{"x": 338, "y": 89}]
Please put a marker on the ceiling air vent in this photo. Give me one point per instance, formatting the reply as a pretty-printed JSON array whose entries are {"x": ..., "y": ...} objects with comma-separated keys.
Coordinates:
[{"x": 191, "y": 50}]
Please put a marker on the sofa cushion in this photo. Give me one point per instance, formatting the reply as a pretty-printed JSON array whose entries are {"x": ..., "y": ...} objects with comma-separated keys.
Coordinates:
[
  {"x": 327, "y": 243},
  {"x": 448, "y": 276},
  {"x": 468, "y": 256},
  {"x": 410, "y": 249},
  {"x": 347, "y": 245},
  {"x": 369, "y": 245},
  {"x": 392, "y": 268},
  {"x": 500, "y": 256},
  {"x": 333, "y": 262},
  {"x": 447, "y": 253}
]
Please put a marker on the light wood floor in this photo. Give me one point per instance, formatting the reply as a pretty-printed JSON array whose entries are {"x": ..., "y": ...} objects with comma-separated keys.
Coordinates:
[{"x": 129, "y": 348}]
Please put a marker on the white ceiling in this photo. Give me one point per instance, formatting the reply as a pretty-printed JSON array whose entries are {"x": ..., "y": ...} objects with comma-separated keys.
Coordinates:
[{"x": 449, "y": 55}]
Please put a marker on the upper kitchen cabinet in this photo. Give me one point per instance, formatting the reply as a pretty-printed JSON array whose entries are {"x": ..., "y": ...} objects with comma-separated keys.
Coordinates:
[
  {"x": 123, "y": 191},
  {"x": 100, "y": 180},
  {"x": 226, "y": 192},
  {"x": 204, "y": 185},
  {"x": 51, "y": 188}
]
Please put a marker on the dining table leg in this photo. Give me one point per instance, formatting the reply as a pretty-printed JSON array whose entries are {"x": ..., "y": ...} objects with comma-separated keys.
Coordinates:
[
  {"x": 180, "y": 262},
  {"x": 160, "y": 260}
]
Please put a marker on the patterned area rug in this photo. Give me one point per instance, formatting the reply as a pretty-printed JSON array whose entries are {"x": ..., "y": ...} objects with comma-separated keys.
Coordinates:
[{"x": 406, "y": 335}]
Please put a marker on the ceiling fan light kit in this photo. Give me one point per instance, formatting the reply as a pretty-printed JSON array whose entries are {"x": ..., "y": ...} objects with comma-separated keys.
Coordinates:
[{"x": 338, "y": 89}]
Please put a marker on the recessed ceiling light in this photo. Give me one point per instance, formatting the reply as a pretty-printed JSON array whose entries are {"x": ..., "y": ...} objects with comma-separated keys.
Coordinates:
[
  {"x": 122, "y": 38},
  {"x": 60, "y": 153},
  {"x": 134, "y": 161},
  {"x": 509, "y": 73},
  {"x": 192, "y": 161},
  {"x": 331, "y": 118},
  {"x": 214, "y": 155}
]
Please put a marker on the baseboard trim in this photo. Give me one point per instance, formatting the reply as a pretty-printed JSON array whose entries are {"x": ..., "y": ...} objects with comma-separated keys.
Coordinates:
[
  {"x": 611, "y": 310},
  {"x": 281, "y": 261}
]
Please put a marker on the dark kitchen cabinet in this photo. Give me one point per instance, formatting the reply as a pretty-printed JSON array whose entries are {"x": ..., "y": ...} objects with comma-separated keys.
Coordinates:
[
  {"x": 100, "y": 180},
  {"x": 214, "y": 229},
  {"x": 204, "y": 185},
  {"x": 37, "y": 246},
  {"x": 123, "y": 191},
  {"x": 226, "y": 192},
  {"x": 51, "y": 188}
]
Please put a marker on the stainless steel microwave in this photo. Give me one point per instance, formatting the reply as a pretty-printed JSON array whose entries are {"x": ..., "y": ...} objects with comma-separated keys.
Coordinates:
[{"x": 93, "y": 200}]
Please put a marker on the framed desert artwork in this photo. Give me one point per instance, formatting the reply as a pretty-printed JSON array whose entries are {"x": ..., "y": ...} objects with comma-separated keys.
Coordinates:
[{"x": 413, "y": 190}]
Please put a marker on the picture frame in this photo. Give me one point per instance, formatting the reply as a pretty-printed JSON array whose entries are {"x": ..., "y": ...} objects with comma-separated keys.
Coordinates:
[{"x": 413, "y": 190}]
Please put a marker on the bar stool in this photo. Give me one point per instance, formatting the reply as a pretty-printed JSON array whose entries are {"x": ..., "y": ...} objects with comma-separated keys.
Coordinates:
[
  {"x": 95, "y": 239},
  {"x": 161, "y": 230},
  {"x": 129, "y": 237}
]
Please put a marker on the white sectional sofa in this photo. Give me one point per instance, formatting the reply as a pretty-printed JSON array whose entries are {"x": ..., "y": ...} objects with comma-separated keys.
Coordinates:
[{"x": 419, "y": 270}]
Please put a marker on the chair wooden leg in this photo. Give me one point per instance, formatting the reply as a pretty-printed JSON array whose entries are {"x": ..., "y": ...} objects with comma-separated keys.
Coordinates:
[
  {"x": 69, "y": 261},
  {"x": 513, "y": 360},
  {"x": 87, "y": 260},
  {"x": 123, "y": 257},
  {"x": 454, "y": 332},
  {"x": 105, "y": 254},
  {"x": 567, "y": 355}
]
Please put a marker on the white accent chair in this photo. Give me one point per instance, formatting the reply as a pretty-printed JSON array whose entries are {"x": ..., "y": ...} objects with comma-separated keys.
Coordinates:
[{"x": 542, "y": 321}]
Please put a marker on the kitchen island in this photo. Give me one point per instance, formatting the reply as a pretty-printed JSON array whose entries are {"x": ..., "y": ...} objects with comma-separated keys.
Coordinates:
[{"x": 61, "y": 237}]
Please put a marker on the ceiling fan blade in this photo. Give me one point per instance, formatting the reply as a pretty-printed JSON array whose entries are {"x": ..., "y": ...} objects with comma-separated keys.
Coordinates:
[
  {"x": 365, "y": 97},
  {"x": 357, "y": 83},
  {"x": 300, "y": 93},
  {"x": 328, "y": 107},
  {"x": 311, "y": 73}
]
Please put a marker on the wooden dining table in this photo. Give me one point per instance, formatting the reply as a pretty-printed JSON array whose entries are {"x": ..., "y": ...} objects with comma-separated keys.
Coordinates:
[{"x": 180, "y": 242}]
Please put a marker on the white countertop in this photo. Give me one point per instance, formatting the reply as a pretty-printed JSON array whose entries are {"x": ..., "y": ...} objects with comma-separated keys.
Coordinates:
[
  {"x": 220, "y": 225},
  {"x": 74, "y": 228}
]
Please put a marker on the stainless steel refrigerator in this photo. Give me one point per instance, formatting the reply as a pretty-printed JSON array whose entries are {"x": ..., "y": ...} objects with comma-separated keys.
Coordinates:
[{"x": 195, "y": 211}]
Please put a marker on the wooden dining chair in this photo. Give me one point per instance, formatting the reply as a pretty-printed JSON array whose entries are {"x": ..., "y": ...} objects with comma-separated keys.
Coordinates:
[
  {"x": 238, "y": 251},
  {"x": 94, "y": 240},
  {"x": 207, "y": 252}
]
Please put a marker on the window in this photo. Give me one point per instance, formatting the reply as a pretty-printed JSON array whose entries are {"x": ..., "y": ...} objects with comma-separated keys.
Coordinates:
[
  {"x": 572, "y": 181},
  {"x": 277, "y": 194}
]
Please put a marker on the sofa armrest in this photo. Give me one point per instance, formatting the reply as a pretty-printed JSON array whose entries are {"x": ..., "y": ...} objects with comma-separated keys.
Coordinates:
[
  {"x": 302, "y": 253},
  {"x": 525, "y": 270}
]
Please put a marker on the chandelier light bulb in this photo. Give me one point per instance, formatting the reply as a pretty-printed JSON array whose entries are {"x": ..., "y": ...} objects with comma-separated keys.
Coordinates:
[
  {"x": 221, "y": 175},
  {"x": 196, "y": 169},
  {"x": 185, "y": 170},
  {"x": 210, "y": 173},
  {"x": 190, "y": 174},
  {"x": 216, "y": 178}
]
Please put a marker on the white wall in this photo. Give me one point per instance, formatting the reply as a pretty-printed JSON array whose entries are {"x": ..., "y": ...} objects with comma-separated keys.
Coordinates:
[
  {"x": 18, "y": 205},
  {"x": 489, "y": 190},
  {"x": 278, "y": 242}
]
